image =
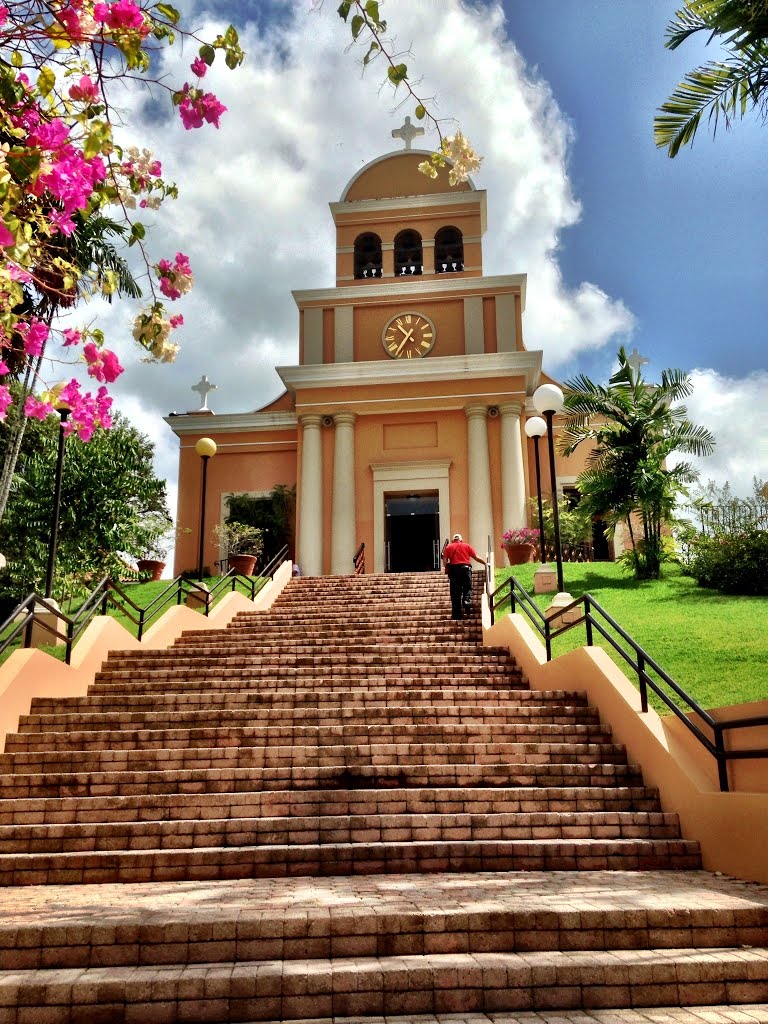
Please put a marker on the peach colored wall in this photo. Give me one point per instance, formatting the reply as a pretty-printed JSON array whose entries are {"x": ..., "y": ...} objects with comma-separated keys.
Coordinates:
[
  {"x": 399, "y": 175},
  {"x": 329, "y": 345},
  {"x": 489, "y": 324},
  {"x": 237, "y": 466},
  {"x": 732, "y": 828}
]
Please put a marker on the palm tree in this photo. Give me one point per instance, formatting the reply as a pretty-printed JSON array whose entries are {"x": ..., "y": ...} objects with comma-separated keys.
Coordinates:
[
  {"x": 724, "y": 89},
  {"x": 635, "y": 427}
]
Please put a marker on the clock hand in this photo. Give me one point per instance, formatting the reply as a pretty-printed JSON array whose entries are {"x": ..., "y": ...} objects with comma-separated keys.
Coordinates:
[
  {"x": 399, "y": 348},
  {"x": 406, "y": 333}
]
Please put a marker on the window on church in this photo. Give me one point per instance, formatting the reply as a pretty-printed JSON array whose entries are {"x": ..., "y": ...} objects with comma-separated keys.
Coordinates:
[
  {"x": 408, "y": 254},
  {"x": 368, "y": 255},
  {"x": 449, "y": 251}
]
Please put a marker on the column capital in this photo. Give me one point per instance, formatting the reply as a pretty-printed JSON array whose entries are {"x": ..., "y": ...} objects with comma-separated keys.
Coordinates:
[
  {"x": 311, "y": 419},
  {"x": 476, "y": 411},
  {"x": 344, "y": 419},
  {"x": 511, "y": 408}
]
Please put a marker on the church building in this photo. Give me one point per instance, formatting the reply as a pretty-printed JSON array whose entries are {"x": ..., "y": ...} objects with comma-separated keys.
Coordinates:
[{"x": 403, "y": 421}]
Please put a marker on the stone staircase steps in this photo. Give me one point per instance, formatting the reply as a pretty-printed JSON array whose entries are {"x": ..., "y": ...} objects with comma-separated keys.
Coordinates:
[
  {"x": 307, "y": 803},
  {"x": 347, "y": 754},
  {"x": 331, "y": 714},
  {"x": 331, "y": 859},
  {"x": 363, "y": 776},
  {"x": 348, "y": 807},
  {"x": 352, "y": 987},
  {"x": 325, "y": 734}
]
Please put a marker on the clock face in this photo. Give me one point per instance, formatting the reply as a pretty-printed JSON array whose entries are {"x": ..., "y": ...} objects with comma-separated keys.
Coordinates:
[{"x": 408, "y": 336}]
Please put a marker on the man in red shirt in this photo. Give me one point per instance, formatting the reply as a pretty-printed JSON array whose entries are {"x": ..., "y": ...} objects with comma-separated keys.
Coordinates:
[{"x": 457, "y": 557}]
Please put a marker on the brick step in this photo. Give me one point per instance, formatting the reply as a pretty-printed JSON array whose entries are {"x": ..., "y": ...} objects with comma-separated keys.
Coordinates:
[
  {"x": 354, "y": 829},
  {"x": 360, "y": 696},
  {"x": 352, "y": 987},
  {"x": 394, "y": 776},
  {"x": 745, "y": 1013},
  {"x": 464, "y": 631},
  {"x": 350, "y": 660},
  {"x": 331, "y": 859},
  {"x": 367, "y": 916},
  {"x": 289, "y": 733},
  {"x": 330, "y": 714},
  {"x": 303, "y": 803},
  {"x": 301, "y": 679},
  {"x": 339, "y": 646},
  {"x": 346, "y": 755}
]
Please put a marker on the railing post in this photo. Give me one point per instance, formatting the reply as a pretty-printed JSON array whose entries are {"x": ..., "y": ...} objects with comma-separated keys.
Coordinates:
[
  {"x": 70, "y": 635},
  {"x": 722, "y": 761},
  {"x": 141, "y": 624},
  {"x": 643, "y": 684},
  {"x": 28, "y": 629},
  {"x": 588, "y": 620}
]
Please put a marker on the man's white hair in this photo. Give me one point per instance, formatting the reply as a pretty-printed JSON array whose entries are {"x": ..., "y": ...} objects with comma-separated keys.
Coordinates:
[{"x": 457, "y": 536}]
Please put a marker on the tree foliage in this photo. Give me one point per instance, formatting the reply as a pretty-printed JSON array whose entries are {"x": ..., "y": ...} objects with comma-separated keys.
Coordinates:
[
  {"x": 112, "y": 506},
  {"x": 723, "y": 90},
  {"x": 274, "y": 514},
  {"x": 635, "y": 428}
]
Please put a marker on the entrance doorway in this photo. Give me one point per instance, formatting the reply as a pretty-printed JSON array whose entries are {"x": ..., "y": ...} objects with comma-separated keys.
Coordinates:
[{"x": 412, "y": 532}]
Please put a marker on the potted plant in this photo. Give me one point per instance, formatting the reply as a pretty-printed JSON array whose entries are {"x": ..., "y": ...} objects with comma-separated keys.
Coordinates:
[
  {"x": 156, "y": 550},
  {"x": 520, "y": 544},
  {"x": 243, "y": 545}
]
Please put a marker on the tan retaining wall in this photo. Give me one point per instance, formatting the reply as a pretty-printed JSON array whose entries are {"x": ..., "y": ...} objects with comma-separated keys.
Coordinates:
[{"x": 732, "y": 828}]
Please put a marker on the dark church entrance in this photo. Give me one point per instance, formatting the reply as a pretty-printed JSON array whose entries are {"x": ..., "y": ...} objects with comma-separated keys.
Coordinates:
[{"x": 412, "y": 532}]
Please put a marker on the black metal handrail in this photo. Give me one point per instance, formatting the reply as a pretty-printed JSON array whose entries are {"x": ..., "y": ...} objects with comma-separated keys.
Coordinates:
[
  {"x": 109, "y": 592},
  {"x": 358, "y": 560},
  {"x": 595, "y": 617}
]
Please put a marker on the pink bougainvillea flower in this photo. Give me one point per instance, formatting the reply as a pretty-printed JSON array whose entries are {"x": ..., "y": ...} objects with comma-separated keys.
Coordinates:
[
  {"x": 6, "y": 237},
  {"x": 198, "y": 67},
  {"x": 34, "y": 334},
  {"x": 17, "y": 273},
  {"x": 176, "y": 321},
  {"x": 5, "y": 401},
  {"x": 102, "y": 363},
  {"x": 85, "y": 90},
  {"x": 196, "y": 108},
  {"x": 124, "y": 14},
  {"x": 35, "y": 409},
  {"x": 72, "y": 336},
  {"x": 3, "y": 14},
  {"x": 3, "y": 368}
]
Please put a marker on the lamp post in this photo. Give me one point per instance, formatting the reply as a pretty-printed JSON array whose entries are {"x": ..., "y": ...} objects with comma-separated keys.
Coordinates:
[
  {"x": 548, "y": 399},
  {"x": 206, "y": 449},
  {"x": 536, "y": 428},
  {"x": 62, "y": 408}
]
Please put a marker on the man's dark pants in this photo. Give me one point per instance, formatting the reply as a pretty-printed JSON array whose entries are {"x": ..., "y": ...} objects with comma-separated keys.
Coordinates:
[{"x": 460, "y": 580}]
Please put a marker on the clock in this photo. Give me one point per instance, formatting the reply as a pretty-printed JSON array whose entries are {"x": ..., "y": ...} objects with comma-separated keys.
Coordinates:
[{"x": 408, "y": 336}]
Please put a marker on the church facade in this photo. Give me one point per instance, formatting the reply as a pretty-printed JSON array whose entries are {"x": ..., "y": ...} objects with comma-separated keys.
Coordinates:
[{"x": 403, "y": 421}]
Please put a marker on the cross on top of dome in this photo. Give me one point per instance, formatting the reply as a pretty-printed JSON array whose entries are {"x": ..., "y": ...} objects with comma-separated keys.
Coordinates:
[{"x": 407, "y": 132}]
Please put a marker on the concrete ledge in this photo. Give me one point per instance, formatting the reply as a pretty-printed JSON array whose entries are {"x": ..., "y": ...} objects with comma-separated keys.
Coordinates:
[
  {"x": 732, "y": 828},
  {"x": 32, "y": 673}
]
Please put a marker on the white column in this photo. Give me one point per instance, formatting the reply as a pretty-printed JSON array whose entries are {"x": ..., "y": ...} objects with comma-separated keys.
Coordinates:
[
  {"x": 479, "y": 474},
  {"x": 343, "y": 528},
  {"x": 311, "y": 503},
  {"x": 514, "y": 512}
]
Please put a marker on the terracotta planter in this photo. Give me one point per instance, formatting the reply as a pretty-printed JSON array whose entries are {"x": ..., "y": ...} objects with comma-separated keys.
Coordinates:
[
  {"x": 517, "y": 554},
  {"x": 151, "y": 567},
  {"x": 244, "y": 564}
]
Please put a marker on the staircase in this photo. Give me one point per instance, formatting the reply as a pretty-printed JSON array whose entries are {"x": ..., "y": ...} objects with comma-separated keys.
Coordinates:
[{"x": 348, "y": 807}]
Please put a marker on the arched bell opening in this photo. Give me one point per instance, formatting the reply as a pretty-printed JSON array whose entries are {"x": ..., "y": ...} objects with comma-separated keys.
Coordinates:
[
  {"x": 409, "y": 259},
  {"x": 368, "y": 256},
  {"x": 449, "y": 251}
]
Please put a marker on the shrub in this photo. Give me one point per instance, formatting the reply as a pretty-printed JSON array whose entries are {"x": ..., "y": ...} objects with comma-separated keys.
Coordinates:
[{"x": 736, "y": 563}]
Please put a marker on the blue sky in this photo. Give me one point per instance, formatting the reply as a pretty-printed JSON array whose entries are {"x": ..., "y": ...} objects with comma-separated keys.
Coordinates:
[
  {"x": 682, "y": 241},
  {"x": 621, "y": 245}
]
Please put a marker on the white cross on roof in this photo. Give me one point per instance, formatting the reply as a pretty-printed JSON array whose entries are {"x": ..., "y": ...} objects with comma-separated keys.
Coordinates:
[
  {"x": 204, "y": 388},
  {"x": 635, "y": 360},
  {"x": 407, "y": 132}
]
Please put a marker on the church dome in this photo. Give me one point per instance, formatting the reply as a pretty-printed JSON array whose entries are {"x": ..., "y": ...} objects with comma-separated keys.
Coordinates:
[{"x": 396, "y": 175}]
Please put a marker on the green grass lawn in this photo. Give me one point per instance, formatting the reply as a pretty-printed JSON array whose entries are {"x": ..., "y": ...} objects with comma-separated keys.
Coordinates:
[{"x": 714, "y": 645}]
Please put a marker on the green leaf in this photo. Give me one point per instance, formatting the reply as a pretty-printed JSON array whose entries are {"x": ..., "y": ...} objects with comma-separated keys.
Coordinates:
[
  {"x": 373, "y": 49},
  {"x": 397, "y": 74},
  {"x": 24, "y": 164},
  {"x": 344, "y": 9},
  {"x": 208, "y": 54},
  {"x": 358, "y": 23},
  {"x": 45, "y": 81},
  {"x": 16, "y": 59},
  {"x": 420, "y": 112},
  {"x": 169, "y": 12},
  {"x": 137, "y": 233},
  {"x": 372, "y": 10}
]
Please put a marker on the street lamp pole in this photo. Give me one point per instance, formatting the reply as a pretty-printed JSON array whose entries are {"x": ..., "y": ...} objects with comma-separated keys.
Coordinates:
[
  {"x": 206, "y": 449},
  {"x": 536, "y": 428},
  {"x": 63, "y": 410},
  {"x": 548, "y": 399}
]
